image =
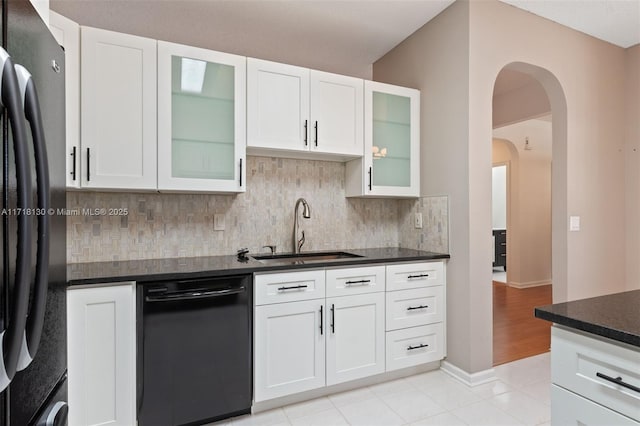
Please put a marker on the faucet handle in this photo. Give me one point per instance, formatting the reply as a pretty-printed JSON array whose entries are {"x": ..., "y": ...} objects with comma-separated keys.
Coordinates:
[
  {"x": 272, "y": 248},
  {"x": 301, "y": 242}
]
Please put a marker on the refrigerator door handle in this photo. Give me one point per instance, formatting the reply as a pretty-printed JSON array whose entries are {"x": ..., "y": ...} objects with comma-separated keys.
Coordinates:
[
  {"x": 35, "y": 317},
  {"x": 11, "y": 338}
]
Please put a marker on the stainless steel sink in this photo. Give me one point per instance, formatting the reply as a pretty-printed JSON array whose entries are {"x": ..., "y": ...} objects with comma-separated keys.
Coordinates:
[{"x": 309, "y": 257}]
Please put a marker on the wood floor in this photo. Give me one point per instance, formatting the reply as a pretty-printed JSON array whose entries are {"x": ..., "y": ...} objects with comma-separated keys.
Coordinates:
[{"x": 516, "y": 332}]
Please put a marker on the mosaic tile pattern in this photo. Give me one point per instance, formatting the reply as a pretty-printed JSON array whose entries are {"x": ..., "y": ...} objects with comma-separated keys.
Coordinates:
[
  {"x": 434, "y": 235},
  {"x": 181, "y": 225}
]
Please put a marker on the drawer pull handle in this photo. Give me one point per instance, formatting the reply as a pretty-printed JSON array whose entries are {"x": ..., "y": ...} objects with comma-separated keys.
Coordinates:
[
  {"x": 618, "y": 381},
  {"x": 411, "y": 308},
  {"x": 418, "y": 276},
  {"x": 333, "y": 318},
  {"x": 321, "y": 321},
  {"x": 420, "y": 346},
  {"x": 357, "y": 282},
  {"x": 295, "y": 287}
]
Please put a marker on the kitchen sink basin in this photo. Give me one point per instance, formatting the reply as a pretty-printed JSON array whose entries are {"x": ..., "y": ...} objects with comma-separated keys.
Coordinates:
[{"x": 308, "y": 257}]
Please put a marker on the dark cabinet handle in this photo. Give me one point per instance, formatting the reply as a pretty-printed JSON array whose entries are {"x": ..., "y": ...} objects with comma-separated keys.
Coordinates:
[
  {"x": 316, "y": 130},
  {"x": 88, "y": 164},
  {"x": 357, "y": 282},
  {"x": 333, "y": 318},
  {"x": 73, "y": 169},
  {"x": 306, "y": 133},
  {"x": 618, "y": 381},
  {"x": 321, "y": 321},
  {"x": 241, "y": 172},
  {"x": 418, "y": 276},
  {"x": 420, "y": 346},
  {"x": 370, "y": 178},
  {"x": 295, "y": 287},
  {"x": 411, "y": 308}
]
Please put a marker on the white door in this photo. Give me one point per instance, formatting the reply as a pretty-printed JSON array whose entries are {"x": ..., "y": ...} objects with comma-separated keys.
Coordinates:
[
  {"x": 101, "y": 353},
  {"x": 355, "y": 337},
  {"x": 277, "y": 106},
  {"x": 201, "y": 119},
  {"x": 337, "y": 117},
  {"x": 67, "y": 34},
  {"x": 289, "y": 345},
  {"x": 118, "y": 110}
]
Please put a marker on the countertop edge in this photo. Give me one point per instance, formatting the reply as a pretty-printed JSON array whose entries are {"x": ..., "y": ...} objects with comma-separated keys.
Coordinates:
[
  {"x": 251, "y": 267},
  {"x": 596, "y": 329}
]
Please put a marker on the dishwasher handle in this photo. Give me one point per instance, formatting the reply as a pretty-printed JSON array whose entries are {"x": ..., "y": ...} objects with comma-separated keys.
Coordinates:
[{"x": 194, "y": 295}]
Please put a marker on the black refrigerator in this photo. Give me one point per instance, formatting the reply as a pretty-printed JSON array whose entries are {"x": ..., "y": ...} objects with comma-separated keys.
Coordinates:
[{"x": 33, "y": 231}]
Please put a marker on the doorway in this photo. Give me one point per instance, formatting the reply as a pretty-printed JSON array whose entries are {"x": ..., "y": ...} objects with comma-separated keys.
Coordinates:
[{"x": 522, "y": 150}]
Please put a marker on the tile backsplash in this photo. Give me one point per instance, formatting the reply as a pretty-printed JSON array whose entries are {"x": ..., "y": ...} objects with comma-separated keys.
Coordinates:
[{"x": 182, "y": 225}]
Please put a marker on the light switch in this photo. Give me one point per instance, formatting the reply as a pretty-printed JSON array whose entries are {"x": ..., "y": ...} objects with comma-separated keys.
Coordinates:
[
  {"x": 574, "y": 223},
  {"x": 218, "y": 222},
  {"x": 418, "y": 220}
]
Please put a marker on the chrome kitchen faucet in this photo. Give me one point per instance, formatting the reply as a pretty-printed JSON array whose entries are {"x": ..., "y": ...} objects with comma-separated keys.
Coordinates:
[{"x": 306, "y": 213}]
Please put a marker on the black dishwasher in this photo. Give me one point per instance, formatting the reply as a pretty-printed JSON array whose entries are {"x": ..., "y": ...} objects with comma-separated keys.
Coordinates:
[{"x": 194, "y": 350}]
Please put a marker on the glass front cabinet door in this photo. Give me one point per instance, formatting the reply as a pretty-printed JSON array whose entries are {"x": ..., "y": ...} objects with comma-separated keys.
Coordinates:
[
  {"x": 391, "y": 163},
  {"x": 201, "y": 120}
]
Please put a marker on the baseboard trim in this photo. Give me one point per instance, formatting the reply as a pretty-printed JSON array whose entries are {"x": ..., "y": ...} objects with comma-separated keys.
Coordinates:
[
  {"x": 469, "y": 379},
  {"x": 528, "y": 284}
]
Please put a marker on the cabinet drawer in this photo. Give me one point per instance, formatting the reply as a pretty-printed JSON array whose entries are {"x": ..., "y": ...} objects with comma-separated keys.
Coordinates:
[
  {"x": 418, "y": 306},
  {"x": 342, "y": 282},
  {"x": 414, "y": 275},
  {"x": 415, "y": 345},
  {"x": 567, "y": 409},
  {"x": 288, "y": 287},
  {"x": 580, "y": 363}
]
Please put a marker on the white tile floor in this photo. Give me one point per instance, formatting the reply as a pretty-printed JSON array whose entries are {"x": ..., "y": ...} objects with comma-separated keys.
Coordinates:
[{"x": 520, "y": 396}]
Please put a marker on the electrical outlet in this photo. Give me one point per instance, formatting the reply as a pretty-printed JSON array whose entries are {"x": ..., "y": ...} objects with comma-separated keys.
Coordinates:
[
  {"x": 418, "y": 221},
  {"x": 574, "y": 223},
  {"x": 218, "y": 222}
]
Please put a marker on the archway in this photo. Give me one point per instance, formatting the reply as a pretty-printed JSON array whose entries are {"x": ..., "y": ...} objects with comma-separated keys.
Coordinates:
[{"x": 556, "y": 105}]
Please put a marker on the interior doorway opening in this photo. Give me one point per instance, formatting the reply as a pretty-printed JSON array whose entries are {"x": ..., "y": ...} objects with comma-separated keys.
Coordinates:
[{"x": 522, "y": 215}]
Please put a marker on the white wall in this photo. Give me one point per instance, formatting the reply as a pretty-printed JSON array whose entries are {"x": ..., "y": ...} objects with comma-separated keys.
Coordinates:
[
  {"x": 499, "y": 196},
  {"x": 632, "y": 156},
  {"x": 454, "y": 60},
  {"x": 529, "y": 236}
]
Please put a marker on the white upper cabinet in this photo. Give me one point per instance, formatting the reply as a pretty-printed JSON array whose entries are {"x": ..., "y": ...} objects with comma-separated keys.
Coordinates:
[
  {"x": 277, "y": 106},
  {"x": 67, "y": 34},
  {"x": 201, "y": 120},
  {"x": 336, "y": 114},
  {"x": 297, "y": 112},
  {"x": 391, "y": 163},
  {"x": 118, "y": 107}
]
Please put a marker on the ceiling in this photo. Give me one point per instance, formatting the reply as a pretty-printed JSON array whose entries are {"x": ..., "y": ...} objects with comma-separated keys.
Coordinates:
[{"x": 342, "y": 36}]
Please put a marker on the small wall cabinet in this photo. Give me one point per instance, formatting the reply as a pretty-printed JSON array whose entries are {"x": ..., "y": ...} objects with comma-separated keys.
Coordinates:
[
  {"x": 390, "y": 166},
  {"x": 101, "y": 347},
  {"x": 201, "y": 120},
  {"x": 297, "y": 112},
  {"x": 67, "y": 34},
  {"x": 118, "y": 107}
]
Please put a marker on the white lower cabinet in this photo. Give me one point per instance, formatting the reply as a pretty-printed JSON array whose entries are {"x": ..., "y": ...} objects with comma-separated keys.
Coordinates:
[
  {"x": 594, "y": 379},
  {"x": 316, "y": 328},
  {"x": 355, "y": 337},
  {"x": 102, "y": 355},
  {"x": 289, "y": 348}
]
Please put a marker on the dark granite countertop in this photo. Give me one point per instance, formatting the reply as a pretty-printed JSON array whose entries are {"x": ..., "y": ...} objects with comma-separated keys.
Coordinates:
[
  {"x": 196, "y": 267},
  {"x": 615, "y": 316}
]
